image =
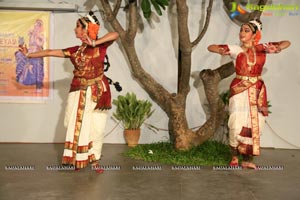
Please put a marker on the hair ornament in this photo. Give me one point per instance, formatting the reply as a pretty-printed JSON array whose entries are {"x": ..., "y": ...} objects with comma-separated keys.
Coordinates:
[{"x": 257, "y": 23}]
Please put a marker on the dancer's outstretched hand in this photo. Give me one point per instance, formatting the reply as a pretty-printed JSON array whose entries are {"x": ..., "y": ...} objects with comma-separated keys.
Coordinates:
[
  {"x": 23, "y": 49},
  {"x": 271, "y": 48},
  {"x": 223, "y": 51}
]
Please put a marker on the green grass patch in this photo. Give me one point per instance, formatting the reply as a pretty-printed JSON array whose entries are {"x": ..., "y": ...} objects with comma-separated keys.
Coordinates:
[{"x": 209, "y": 153}]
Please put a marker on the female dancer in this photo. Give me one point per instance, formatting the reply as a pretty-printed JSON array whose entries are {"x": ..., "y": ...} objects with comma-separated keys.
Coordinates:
[
  {"x": 89, "y": 96},
  {"x": 248, "y": 98}
]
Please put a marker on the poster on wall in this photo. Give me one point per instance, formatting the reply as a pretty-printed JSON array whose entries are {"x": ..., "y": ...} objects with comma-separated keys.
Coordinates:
[{"x": 22, "y": 79}]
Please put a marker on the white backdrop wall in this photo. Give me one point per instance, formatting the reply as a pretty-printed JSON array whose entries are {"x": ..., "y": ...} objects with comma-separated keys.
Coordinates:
[{"x": 43, "y": 123}]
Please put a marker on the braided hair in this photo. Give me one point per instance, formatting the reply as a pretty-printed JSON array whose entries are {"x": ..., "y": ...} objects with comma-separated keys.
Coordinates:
[{"x": 110, "y": 81}]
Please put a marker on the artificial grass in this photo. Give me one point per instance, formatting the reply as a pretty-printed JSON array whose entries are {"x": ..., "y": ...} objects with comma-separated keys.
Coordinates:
[{"x": 209, "y": 153}]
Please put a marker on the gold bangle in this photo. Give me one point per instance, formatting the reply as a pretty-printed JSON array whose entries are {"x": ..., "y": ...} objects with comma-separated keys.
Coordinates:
[{"x": 93, "y": 43}]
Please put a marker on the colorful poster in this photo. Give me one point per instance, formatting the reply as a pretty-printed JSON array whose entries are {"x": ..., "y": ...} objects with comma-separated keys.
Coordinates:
[{"x": 24, "y": 79}]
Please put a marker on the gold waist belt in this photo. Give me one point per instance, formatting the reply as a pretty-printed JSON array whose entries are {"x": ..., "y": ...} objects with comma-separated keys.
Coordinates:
[
  {"x": 87, "y": 82},
  {"x": 252, "y": 79}
]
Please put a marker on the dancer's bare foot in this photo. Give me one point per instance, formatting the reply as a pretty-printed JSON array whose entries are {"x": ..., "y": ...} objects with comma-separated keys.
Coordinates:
[
  {"x": 234, "y": 161},
  {"x": 97, "y": 168},
  {"x": 248, "y": 165}
]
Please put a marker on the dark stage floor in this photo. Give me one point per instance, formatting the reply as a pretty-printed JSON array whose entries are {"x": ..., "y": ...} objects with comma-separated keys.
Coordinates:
[{"x": 28, "y": 172}]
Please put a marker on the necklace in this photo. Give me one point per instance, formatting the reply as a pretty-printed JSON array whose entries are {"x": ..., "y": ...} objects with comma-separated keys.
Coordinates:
[
  {"x": 79, "y": 56},
  {"x": 250, "y": 64}
]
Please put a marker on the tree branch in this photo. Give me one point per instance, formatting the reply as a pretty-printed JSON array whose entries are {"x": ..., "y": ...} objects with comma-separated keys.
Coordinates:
[
  {"x": 211, "y": 79},
  {"x": 117, "y": 7},
  {"x": 155, "y": 90},
  {"x": 185, "y": 48},
  {"x": 226, "y": 70},
  {"x": 109, "y": 16},
  {"x": 183, "y": 31},
  {"x": 198, "y": 39},
  {"x": 132, "y": 29}
]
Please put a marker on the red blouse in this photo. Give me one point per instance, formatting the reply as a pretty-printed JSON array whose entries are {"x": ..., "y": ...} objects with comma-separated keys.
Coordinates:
[
  {"x": 88, "y": 71},
  {"x": 249, "y": 63}
]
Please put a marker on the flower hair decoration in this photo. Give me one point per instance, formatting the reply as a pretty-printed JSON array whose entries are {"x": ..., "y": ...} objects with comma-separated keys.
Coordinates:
[{"x": 91, "y": 24}]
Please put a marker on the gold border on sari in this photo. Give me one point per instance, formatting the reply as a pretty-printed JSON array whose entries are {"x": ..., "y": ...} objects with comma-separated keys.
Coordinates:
[{"x": 78, "y": 124}]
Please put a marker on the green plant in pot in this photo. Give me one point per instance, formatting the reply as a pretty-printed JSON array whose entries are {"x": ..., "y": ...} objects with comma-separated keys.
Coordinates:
[{"x": 132, "y": 113}]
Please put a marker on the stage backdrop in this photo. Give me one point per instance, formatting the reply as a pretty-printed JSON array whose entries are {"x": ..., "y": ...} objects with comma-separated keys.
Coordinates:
[
  {"x": 22, "y": 79},
  {"x": 156, "y": 47}
]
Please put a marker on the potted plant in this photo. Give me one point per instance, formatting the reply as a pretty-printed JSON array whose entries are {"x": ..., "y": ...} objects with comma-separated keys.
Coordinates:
[{"x": 132, "y": 113}]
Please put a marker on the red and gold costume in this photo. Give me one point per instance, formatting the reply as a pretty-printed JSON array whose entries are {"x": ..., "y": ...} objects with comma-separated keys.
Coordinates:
[
  {"x": 88, "y": 100},
  {"x": 248, "y": 98}
]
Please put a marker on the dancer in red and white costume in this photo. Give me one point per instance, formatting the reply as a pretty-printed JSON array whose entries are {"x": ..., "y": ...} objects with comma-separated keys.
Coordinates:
[{"x": 248, "y": 96}]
